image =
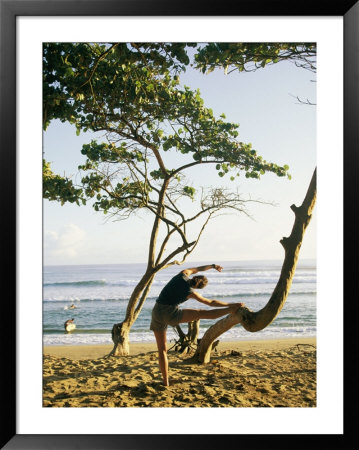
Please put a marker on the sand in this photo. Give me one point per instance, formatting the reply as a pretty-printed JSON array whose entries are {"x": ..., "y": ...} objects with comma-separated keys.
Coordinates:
[{"x": 268, "y": 373}]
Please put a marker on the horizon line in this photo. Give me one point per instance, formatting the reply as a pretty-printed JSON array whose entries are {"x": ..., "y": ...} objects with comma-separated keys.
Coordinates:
[{"x": 190, "y": 262}]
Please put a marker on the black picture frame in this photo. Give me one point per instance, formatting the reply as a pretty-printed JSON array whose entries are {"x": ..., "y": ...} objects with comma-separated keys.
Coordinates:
[{"x": 9, "y": 11}]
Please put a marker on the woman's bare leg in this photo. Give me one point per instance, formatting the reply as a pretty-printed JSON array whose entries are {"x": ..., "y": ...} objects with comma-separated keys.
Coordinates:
[
  {"x": 188, "y": 315},
  {"x": 162, "y": 354}
]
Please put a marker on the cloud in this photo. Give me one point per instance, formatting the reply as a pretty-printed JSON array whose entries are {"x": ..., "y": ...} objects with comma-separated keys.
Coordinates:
[{"x": 64, "y": 245}]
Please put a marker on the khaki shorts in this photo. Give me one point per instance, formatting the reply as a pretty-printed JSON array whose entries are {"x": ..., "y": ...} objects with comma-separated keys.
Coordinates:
[{"x": 164, "y": 315}]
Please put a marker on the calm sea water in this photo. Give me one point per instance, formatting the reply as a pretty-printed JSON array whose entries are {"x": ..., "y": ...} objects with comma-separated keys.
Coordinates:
[{"x": 100, "y": 294}]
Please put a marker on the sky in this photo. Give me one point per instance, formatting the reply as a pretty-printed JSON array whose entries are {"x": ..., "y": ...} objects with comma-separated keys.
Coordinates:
[{"x": 282, "y": 130}]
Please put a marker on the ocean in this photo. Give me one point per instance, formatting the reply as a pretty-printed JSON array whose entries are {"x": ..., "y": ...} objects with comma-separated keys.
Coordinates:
[{"x": 100, "y": 294}]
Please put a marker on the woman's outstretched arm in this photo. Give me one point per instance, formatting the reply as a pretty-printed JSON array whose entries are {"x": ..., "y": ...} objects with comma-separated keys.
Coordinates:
[
  {"x": 194, "y": 270},
  {"x": 214, "y": 303}
]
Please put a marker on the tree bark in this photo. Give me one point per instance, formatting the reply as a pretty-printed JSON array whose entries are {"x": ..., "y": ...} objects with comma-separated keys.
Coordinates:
[
  {"x": 256, "y": 321},
  {"x": 121, "y": 331},
  {"x": 120, "y": 336}
]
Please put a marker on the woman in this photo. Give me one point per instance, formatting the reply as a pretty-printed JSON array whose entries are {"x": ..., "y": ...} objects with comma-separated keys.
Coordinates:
[{"x": 166, "y": 311}]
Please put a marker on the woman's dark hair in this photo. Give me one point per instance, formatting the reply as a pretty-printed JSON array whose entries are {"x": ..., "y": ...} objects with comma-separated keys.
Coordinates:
[{"x": 199, "y": 282}]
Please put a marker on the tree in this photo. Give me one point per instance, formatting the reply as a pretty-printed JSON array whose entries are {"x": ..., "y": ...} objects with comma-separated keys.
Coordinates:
[
  {"x": 256, "y": 321},
  {"x": 131, "y": 93}
]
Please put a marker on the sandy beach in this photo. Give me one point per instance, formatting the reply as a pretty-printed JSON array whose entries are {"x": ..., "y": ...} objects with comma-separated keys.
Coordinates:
[{"x": 270, "y": 373}]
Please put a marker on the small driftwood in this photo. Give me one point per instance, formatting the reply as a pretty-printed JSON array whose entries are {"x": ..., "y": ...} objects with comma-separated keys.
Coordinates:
[
  {"x": 188, "y": 343},
  {"x": 305, "y": 345}
]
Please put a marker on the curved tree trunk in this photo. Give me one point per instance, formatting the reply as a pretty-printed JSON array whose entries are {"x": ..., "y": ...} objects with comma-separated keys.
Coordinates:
[
  {"x": 256, "y": 321},
  {"x": 121, "y": 331}
]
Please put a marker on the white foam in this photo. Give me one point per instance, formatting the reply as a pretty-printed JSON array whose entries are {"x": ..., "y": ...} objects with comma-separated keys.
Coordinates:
[{"x": 234, "y": 334}]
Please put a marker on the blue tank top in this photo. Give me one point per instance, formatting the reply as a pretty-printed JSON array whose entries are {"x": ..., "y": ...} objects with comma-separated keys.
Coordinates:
[{"x": 176, "y": 290}]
